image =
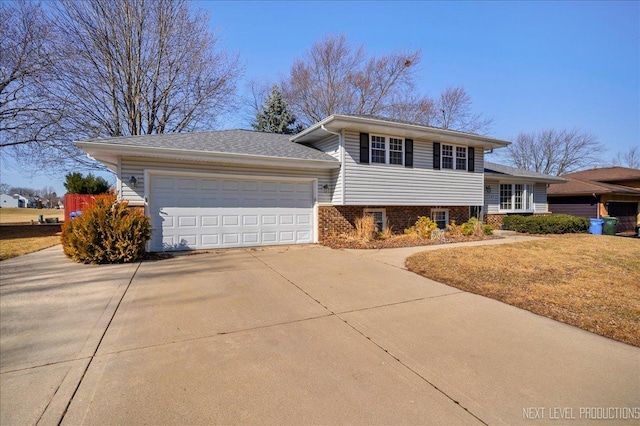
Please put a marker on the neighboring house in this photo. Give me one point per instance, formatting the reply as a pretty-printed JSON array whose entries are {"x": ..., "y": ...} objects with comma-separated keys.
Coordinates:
[
  {"x": 242, "y": 188},
  {"x": 595, "y": 193},
  {"x": 16, "y": 201},
  {"x": 508, "y": 190}
]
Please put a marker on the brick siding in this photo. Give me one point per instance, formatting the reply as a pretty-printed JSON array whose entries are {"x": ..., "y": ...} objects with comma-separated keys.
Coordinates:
[{"x": 341, "y": 219}]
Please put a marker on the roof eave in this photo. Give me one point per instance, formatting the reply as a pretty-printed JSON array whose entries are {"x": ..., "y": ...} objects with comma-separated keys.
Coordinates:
[
  {"x": 338, "y": 122},
  {"x": 102, "y": 150},
  {"x": 506, "y": 176}
]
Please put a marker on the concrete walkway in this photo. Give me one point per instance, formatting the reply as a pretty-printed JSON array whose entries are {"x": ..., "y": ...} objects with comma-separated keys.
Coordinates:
[{"x": 287, "y": 335}]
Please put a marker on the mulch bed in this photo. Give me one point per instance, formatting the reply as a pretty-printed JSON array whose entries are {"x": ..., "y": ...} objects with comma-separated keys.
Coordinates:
[{"x": 398, "y": 241}]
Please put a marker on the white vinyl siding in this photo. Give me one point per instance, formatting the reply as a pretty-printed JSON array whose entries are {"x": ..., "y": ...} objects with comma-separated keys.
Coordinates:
[
  {"x": 331, "y": 146},
  {"x": 377, "y": 184},
  {"x": 540, "y": 203},
  {"x": 135, "y": 166}
]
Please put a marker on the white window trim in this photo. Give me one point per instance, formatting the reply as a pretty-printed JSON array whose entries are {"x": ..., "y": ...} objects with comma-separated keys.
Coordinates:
[
  {"x": 446, "y": 211},
  {"x": 455, "y": 158},
  {"x": 384, "y": 216},
  {"x": 529, "y": 194},
  {"x": 387, "y": 149}
]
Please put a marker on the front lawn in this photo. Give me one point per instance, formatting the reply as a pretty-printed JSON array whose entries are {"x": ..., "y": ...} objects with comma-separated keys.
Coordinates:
[
  {"x": 589, "y": 281},
  {"x": 19, "y": 215},
  {"x": 16, "y": 240}
]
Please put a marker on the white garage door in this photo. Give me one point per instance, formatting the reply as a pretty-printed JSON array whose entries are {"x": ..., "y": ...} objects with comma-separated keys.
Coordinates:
[{"x": 200, "y": 213}]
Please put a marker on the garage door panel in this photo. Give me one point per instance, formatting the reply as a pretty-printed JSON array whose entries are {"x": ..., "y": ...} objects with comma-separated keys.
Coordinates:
[
  {"x": 209, "y": 221},
  {"x": 250, "y": 220},
  {"x": 210, "y": 185},
  {"x": 187, "y": 221},
  {"x": 186, "y": 184},
  {"x": 287, "y": 237},
  {"x": 189, "y": 213}
]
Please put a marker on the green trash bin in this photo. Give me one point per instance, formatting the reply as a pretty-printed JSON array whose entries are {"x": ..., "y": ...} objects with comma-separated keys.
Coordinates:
[{"x": 610, "y": 225}]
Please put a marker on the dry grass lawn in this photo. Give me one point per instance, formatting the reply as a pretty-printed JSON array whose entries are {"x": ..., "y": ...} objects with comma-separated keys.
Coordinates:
[
  {"x": 15, "y": 215},
  {"x": 591, "y": 282},
  {"x": 16, "y": 240}
]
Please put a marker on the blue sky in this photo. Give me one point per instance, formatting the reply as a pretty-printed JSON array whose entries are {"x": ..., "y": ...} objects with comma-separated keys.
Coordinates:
[{"x": 529, "y": 65}]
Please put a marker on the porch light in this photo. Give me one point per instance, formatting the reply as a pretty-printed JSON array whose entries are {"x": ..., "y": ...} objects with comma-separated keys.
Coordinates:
[
  {"x": 132, "y": 182},
  {"x": 325, "y": 188}
]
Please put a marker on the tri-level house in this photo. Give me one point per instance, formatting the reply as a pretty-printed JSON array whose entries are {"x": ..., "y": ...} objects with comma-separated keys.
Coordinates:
[{"x": 236, "y": 188}]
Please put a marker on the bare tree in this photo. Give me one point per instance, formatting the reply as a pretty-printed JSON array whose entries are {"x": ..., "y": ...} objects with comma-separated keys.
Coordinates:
[
  {"x": 335, "y": 77},
  {"x": 48, "y": 193},
  {"x": 5, "y": 188},
  {"x": 131, "y": 67},
  {"x": 554, "y": 152},
  {"x": 629, "y": 158},
  {"x": 454, "y": 112},
  {"x": 27, "y": 113}
]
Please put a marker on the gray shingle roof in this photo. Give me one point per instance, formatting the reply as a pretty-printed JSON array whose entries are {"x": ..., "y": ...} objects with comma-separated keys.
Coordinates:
[
  {"x": 244, "y": 142},
  {"x": 512, "y": 171}
]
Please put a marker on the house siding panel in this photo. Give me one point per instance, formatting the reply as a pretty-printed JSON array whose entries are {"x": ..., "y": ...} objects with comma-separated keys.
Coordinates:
[
  {"x": 135, "y": 166},
  {"x": 492, "y": 197},
  {"x": 331, "y": 145},
  {"x": 373, "y": 184},
  {"x": 540, "y": 198}
]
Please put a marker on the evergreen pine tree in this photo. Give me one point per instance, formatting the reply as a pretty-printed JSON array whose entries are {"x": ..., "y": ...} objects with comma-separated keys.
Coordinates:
[{"x": 275, "y": 116}]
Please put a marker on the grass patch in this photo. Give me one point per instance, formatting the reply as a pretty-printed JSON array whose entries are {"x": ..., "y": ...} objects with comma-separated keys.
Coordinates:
[
  {"x": 16, "y": 240},
  {"x": 591, "y": 282},
  {"x": 16, "y": 215}
]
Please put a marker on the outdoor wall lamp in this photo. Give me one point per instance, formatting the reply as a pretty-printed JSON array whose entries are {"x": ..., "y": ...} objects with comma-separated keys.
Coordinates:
[
  {"x": 325, "y": 188},
  {"x": 132, "y": 182}
]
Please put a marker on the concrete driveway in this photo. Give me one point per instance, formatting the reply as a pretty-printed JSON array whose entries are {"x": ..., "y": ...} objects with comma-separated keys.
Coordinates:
[{"x": 288, "y": 335}]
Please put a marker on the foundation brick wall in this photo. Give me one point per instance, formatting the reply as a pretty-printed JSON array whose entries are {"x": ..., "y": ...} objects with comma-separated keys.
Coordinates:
[{"x": 341, "y": 219}]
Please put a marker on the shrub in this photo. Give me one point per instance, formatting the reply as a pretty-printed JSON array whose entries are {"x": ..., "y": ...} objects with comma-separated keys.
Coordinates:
[
  {"x": 547, "y": 224},
  {"x": 106, "y": 232},
  {"x": 365, "y": 228},
  {"x": 474, "y": 227},
  {"x": 455, "y": 231},
  {"x": 423, "y": 227}
]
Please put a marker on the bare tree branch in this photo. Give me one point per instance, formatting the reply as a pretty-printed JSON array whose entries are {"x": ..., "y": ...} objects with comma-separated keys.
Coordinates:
[
  {"x": 554, "y": 152},
  {"x": 629, "y": 158},
  {"x": 113, "y": 68}
]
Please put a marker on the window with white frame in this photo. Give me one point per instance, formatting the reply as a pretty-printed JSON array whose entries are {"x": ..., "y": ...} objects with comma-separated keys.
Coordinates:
[
  {"x": 453, "y": 157},
  {"x": 395, "y": 151},
  {"x": 461, "y": 158},
  {"x": 516, "y": 197},
  {"x": 447, "y": 156},
  {"x": 440, "y": 217},
  {"x": 378, "y": 149},
  {"x": 379, "y": 218},
  {"x": 387, "y": 150}
]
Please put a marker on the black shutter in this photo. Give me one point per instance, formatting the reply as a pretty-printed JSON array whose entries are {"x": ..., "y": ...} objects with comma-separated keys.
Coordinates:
[
  {"x": 436, "y": 155},
  {"x": 364, "y": 148},
  {"x": 408, "y": 152},
  {"x": 471, "y": 166}
]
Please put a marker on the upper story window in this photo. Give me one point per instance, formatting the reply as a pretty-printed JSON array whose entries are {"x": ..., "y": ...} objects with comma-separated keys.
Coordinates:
[
  {"x": 516, "y": 197},
  {"x": 453, "y": 157},
  {"x": 386, "y": 150},
  {"x": 378, "y": 149}
]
